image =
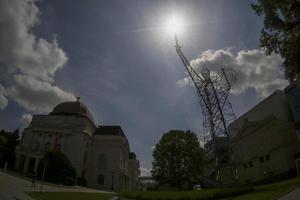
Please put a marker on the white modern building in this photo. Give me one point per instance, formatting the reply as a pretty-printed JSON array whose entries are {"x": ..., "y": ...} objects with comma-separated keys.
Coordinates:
[
  {"x": 264, "y": 141},
  {"x": 101, "y": 154}
]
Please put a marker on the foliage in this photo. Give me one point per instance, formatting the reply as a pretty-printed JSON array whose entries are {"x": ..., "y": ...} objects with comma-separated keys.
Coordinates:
[
  {"x": 8, "y": 143},
  {"x": 70, "y": 195},
  {"x": 178, "y": 159},
  {"x": 58, "y": 168},
  {"x": 281, "y": 32},
  {"x": 187, "y": 195},
  {"x": 81, "y": 181}
]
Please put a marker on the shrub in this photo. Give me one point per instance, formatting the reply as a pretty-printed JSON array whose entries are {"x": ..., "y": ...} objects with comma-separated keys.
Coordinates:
[
  {"x": 58, "y": 168},
  {"x": 81, "y": 181}
]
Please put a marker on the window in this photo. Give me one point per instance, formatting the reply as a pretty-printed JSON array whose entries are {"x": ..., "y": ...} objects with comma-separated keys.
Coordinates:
[{"x": 100, "y": 179}]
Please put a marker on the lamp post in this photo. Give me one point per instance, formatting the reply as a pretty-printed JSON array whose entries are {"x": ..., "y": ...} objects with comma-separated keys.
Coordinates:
[{"x": 43, "y": 175}]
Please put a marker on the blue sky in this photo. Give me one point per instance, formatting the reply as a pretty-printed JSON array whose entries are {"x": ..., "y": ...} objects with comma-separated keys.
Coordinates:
[{"x": 123, "y": 65}]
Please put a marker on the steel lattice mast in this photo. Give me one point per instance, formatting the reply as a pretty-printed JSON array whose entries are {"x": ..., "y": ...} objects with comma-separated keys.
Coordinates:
[{"x": 213, "y": 91}]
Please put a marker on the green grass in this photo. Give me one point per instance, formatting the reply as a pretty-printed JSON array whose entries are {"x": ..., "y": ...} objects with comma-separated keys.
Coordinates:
[
  {"x": 270, "y": 191},
  {"x": 70, "y": 196},
  {"x": 264, "y": 192},
  {"x": 187, "y": 195}
]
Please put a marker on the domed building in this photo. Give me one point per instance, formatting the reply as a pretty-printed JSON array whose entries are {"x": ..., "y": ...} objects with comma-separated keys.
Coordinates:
[{"x": 101, "y": 154}]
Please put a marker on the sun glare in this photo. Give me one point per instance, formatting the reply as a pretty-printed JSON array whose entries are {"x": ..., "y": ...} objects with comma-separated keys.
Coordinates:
[{"x": 174, "y": 25}]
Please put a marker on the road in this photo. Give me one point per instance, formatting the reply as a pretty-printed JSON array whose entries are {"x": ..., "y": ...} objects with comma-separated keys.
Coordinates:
[{"x": 13, "y": 188}]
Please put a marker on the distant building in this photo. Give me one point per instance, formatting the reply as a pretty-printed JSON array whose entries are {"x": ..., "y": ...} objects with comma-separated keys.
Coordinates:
[
  {"x": 264, "y": 142},
  {"x": 147, "y": 183},
  {"x": 101, "y": 154}
]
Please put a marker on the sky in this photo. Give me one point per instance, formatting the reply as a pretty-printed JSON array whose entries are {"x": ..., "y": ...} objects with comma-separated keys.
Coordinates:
[{"x": 119, "y": 59}]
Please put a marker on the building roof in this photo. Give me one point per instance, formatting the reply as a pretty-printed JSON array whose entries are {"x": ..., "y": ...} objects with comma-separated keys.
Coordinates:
[
  {"x": 73, "y": 108},
  {"x": 110, "y": 130}
]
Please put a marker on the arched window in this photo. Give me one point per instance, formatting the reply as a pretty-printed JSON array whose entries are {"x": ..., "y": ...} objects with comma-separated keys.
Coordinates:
[{"x": 100, "y": 179}]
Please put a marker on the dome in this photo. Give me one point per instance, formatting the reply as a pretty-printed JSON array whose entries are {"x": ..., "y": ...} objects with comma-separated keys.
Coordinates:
[{"x": 72, "y": 108}]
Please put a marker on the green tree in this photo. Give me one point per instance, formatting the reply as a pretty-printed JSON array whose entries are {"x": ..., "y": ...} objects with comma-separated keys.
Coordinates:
[
  {"x": 281, "y": 32},
  {"x": 8, "y": 143},
  {"x": 58, "y": 168},
  {"x": 178, "y": 159}
]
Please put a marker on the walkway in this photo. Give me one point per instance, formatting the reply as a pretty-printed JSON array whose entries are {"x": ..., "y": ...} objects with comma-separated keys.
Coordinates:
[
  {"x": 14, "y": 188},
  {"x": 293, "y": 195}
]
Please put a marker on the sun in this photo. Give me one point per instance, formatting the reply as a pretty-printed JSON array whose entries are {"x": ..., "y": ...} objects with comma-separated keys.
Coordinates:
[{"x": 174, "y": 25}]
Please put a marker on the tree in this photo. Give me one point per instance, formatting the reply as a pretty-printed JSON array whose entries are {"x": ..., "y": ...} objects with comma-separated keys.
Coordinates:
[
  {"x": 58, "y": 168},
  {"x": 8, "y": 143},
  {"x": 281, "y": 32},
  {"x": 178, "y": 159}
]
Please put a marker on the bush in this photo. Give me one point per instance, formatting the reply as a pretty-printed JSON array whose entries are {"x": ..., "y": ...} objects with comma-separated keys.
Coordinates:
[
  {"x": 58, "y": 168},
  {"x": 81, "y": 181},
  {"x": 69, "y": 181}
]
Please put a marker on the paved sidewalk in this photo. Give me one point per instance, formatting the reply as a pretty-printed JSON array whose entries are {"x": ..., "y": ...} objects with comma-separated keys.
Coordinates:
[
  {"x": 14, "y": 188},
  {"x": 293, "y": 195}
]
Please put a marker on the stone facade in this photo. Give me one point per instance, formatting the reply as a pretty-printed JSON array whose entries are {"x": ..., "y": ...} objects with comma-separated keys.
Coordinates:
[
  {"x": 100, "y": 154},
  {"x": 264, "y": 141}
]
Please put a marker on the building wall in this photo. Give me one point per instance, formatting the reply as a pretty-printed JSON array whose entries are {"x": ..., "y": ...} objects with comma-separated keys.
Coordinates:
[
  {"x": 102, "y": 159},
  {"x": 69, "y": 134},
  {"x": 266, "y": 152},
  {"x": 276, "y": 104},
  {"x": 264, "y": 141},
  {"x": 109, "y": 158}
]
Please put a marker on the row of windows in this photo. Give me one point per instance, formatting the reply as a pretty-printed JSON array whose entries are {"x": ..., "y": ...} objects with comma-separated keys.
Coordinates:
[{"x": 261, "y": 159}]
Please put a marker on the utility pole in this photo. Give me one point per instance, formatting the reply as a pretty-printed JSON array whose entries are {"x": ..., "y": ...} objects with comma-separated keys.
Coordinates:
[{"x": 43, "y": 175}]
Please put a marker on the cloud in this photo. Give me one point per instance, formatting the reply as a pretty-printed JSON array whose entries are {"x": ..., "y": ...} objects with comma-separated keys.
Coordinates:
[
  {"x": 253, "y": 68},
  {"x": 3, "y": 99},
  {"x": 35, "y": 95},
  {"x": 183, "y": 82},
  {"x": 26, "y": 119},
  {"x": 30, "y": 62},
  {"x": 145, "y": 171}
]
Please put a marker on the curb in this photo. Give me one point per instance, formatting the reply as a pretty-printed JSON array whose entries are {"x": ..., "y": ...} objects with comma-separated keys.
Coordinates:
[
  {"x": 286, "y": 192},
  {"x": 32, "y": 195}
]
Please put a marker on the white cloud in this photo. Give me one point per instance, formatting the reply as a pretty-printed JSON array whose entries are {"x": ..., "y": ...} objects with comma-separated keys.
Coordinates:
[
  {"x": 3, "y": 99},
  {"x": 26, "y": 119},
  {"x": 253, "y": 68},
  {"x": 183, "y": 82},
  {"x": 30, "y": 62},
  {"x": 145, "y": 171},
  {"x": 35, "y": 95}
]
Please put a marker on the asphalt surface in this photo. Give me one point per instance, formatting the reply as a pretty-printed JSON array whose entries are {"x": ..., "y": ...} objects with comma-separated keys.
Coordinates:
[
  {"x": 293, "y": 195},
  {"x": 13, "y": 187}
]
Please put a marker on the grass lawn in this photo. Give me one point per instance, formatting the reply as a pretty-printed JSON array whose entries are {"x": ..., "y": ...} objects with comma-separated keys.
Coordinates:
[
  {"x": 270, "y": 191},
  {"x": 264, "y": 192},
  {"x": 70, "y": 196}
]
